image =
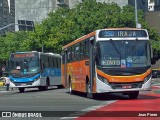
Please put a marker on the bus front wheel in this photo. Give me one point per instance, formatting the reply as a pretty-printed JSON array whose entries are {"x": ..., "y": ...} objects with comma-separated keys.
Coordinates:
[
  {"x": 133, "y": 95},
  {"x": 21, "y": 90}
]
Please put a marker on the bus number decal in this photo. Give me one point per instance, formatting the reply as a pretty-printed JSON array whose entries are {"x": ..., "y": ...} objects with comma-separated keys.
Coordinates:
[{"x": 110, "y": 62}]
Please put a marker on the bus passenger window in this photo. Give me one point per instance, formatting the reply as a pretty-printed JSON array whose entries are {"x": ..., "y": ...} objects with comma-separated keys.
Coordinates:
[
  {"x": 81, "y": 50},
  {"x": 77, "y": 52},
  {"x": 69, "y": 56},
  {"x": 73, "y": 54},
  {"x": 86, "y": 49}
]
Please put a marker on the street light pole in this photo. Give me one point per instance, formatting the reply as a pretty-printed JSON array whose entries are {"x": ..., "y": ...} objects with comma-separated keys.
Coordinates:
[
  {"x": 136, "y": 18},
  {"x": 7, "y": 26}
]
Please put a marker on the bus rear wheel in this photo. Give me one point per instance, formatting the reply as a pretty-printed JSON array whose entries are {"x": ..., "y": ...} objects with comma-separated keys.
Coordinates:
[
  {"x": 133, "y": 95},
  {"x": 21, "y": 90}
]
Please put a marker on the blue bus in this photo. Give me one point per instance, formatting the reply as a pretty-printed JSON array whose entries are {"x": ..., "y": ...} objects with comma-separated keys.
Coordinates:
[{"x": 34, "y": 69}]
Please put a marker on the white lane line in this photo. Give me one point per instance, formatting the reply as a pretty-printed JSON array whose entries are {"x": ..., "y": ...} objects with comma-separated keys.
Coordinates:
[{"x": 65, "y": 118}]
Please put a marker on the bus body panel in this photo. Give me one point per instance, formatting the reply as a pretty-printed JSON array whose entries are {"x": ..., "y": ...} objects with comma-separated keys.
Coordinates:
[
  {"x": 78, "y": 71},
  {"x": 124, "y": 79},
  {"x": 102, "y": 87}
]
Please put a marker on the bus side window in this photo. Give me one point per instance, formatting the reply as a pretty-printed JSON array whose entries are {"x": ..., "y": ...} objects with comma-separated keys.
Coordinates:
[
  {"x": 41, "y": 64},
  {"x": 54, "y": 60},
  {"x": 69, "y": 55},
  {"x": 81, "y": 50},
  {"x": 46, "y": 64},
  {"x": 77, "y": 52},
  {"x": 63, "y": 58},
  {"x": 86, "y": 49},
  {"x": 59, "y": 62},
  {"x": 50, "y": 62},
  {"x": 73, "y": 53}
]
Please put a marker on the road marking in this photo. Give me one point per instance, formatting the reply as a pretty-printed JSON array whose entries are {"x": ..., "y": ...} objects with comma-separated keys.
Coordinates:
[
  {"x": 64, "y": 118},
  {"x": 155, "y": 87}
]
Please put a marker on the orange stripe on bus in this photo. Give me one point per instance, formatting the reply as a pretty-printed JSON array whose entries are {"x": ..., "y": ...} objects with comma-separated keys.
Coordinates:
[{"x": 121, "y": 79}]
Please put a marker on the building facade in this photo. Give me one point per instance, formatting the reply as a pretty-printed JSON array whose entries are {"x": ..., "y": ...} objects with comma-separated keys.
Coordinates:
[
  {"x": 37, "y": 10},
  {"x": 157, "y": 5},
  {"x": 7, "y": 15}
]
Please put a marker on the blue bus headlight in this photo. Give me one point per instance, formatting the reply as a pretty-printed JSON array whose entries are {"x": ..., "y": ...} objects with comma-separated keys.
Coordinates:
[
  {"x": 104, "y": 80},
  {"x": 147, "y": 78},
  {"x": 11, "y": 80},
  {"x": 36, "y": 79}
]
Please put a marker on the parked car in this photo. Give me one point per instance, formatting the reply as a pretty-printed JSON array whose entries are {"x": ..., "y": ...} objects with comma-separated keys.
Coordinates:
[
  {"x": 155, "y": 73},
  {"x": 2, "y": 81}
]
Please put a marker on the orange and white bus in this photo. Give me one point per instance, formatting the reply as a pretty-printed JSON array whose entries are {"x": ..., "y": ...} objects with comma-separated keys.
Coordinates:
[{"x": 108, "y": 60}]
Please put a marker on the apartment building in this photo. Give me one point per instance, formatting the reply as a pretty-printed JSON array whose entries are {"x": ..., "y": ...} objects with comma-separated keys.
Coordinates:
[
  {"x": 37, "y": 10},
  {"x": 7, "y": 15}
]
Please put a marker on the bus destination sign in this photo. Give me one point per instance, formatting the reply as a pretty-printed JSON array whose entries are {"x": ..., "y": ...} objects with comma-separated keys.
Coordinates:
[
  {"x": 24, "y": 55},
  {"x": 122, "y": 33}
]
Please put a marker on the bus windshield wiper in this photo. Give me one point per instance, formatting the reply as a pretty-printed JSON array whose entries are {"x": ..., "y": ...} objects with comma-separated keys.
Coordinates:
[
  {"x": 133, "y": 47},
  {"x": 115, "y": 47}
]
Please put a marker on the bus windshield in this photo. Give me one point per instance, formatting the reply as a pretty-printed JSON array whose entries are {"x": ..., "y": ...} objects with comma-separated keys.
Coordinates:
[
  {"x": 28, "y": 65},
  {"x": 123, "y": 53}
]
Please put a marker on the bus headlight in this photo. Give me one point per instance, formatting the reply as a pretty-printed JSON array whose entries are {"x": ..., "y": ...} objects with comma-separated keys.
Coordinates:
[
  {"x": 104, "y": 80},
  {"x": 36, "y": 78},
  {"x": 11, "y": 80},
  {"x": 147, "y": 78}
]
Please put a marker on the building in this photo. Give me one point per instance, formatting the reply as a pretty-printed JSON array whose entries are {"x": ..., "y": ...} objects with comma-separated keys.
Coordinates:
[
  {"x": 37, "y": 10},
  {"x": 151, "y": 5},
  {"x": 153, "y": 18},
  {"x": 141, "y": 4},
  {"x": 157, "y": 5},
  {"x": 154, "y": 5},
  {"x": 7, "y": 15}
]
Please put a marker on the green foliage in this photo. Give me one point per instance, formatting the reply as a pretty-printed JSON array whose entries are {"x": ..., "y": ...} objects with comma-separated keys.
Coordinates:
[{"x": 65, "y": 25}]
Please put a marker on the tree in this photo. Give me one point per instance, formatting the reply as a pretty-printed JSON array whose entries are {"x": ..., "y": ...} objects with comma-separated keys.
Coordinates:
[{"x": 65, "y": 25}]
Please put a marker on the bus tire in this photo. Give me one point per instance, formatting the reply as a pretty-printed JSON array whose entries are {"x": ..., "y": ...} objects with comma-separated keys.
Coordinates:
[
  {"x": 21, "y": 90},
  {"x": 133, "y": 95},
  {"x": 41, "y": 88},
  {"x": 47, "y": 84},
  {"x": 70, "y": 87},
  {"x": 60, "y": 86}
]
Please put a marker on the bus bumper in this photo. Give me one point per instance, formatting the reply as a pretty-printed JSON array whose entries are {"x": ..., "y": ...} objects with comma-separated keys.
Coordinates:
[
  {"x": 25, "y": 85},
  {"x": 103, "y": 87}
]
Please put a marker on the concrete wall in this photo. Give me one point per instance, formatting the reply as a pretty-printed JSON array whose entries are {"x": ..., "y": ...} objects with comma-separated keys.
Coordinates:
[
  {"x": 121, "y": 3},
  {"x": 37, "y": 10},
  {"x": 33, "y": 10},
  {"x": 153, "y": 18}
]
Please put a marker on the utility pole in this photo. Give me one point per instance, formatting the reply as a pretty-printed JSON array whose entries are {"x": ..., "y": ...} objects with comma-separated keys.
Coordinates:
[
  {"x": 136, "y": 16},
  {"x": 7, "y": 26}
]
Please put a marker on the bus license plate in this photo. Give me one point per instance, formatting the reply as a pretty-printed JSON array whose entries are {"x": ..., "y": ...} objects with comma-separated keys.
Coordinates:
[
  {"x": 23, "y": 84},
  {"x": 126, "y": 86}
]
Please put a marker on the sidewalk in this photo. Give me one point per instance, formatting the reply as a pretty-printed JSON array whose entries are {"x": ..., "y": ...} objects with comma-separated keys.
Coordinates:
[{"x": 3, "y": 89}]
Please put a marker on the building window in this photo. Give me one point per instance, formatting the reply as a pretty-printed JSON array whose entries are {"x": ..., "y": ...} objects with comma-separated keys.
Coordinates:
[{"x": 61, "y": 1}]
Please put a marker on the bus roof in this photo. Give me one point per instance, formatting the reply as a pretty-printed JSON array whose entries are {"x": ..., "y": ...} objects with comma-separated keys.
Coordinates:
[{"x": 94, "y": 33}]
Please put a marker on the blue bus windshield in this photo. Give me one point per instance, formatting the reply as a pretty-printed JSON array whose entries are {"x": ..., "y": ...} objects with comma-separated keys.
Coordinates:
[{"x": 25, "y": 65}]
